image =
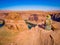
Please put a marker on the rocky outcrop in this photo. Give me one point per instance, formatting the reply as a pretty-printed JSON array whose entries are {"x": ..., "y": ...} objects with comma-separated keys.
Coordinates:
[{"x": 56, "y": 17}]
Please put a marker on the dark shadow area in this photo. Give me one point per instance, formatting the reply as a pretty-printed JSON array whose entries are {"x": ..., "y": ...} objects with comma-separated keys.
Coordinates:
[
  {"x": 52, "y": 40},
  {"x": 33, "y": 17},
  {"x": 6, "y": 14},
  {"x": 29, "y": 24},
  {"x": 42, "y": 26},
  {"x": 55, "y": 17},
  {"x": 2, "y": 22}
]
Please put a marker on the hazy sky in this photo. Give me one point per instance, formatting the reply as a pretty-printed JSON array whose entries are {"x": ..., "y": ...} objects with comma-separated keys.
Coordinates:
[{"x": 29, "y": 5}]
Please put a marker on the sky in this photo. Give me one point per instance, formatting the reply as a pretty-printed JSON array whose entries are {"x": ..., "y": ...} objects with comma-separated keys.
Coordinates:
[{"x": 29, "y": 4}]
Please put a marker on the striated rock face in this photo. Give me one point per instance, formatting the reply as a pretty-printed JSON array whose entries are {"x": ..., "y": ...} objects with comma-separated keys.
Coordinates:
[
  {"x": 56, "y": 17},
  {"x": 2, "y": 22},
  {"x": 33, "y": 17}
]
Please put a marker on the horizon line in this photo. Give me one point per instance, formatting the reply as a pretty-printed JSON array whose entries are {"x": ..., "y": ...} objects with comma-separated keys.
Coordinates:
[{"x": 28, "y": 8}]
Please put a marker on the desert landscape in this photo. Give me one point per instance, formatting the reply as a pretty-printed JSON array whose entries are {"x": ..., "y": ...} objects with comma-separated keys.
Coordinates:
[{"x": 15, "y": 30}]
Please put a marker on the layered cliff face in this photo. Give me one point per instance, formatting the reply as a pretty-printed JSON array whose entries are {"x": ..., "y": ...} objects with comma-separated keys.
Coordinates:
[
  {"x": 15, "y": 18},
  {"x": 56, "y": 17},
  {"x": 15, "y": 31},
  {"x": 12, "y": 19}
]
